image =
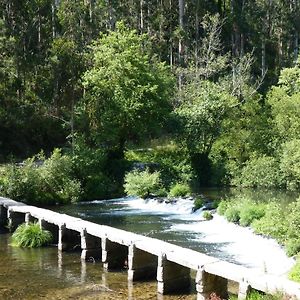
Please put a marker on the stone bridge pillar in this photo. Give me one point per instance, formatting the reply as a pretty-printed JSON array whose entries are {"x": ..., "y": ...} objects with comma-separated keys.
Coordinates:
[
  {"x": 172, "y": 277},
  {"x": 68, "y": 239},
  {"x": 206, "y": 284},
  {"x": 90, "y": 245},
  {"x": 52, "y": 228},
  {"x": 141, "y": 264},
  {"x": 244, "y": 290},
  {"x": 114, "y": 255},
  {"x": 30, "y": 219},
  {"x": 15, "y": 219},
  {"x": 3, "y": 216}
]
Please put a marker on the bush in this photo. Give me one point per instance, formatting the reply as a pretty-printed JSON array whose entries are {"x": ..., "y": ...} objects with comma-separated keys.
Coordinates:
[
  {"x": 292, "y": 246},
  {"x": 42, "y": 181},
  {"x": 142, "y": 183},
  {"x": 222, "y": 207},
  {"x": 294, "y": 273},
  {"x": 207, "y": 215},
  {"x": 180, "y": 190},
  {"x": 174, "y": 163},
  {"x": 273, "y": 224},
  {"x": 90, "y": 168},
  {"x": 232, "y": 214},
  {"x": 259, "y": 172},
  {"x": 31, "y": 236},
  {"x": 198, "y": 203},
  {"x": 58, "y": 179},
  {"x": 250, "y": 212},
  {"x": 290, "y": 164}
]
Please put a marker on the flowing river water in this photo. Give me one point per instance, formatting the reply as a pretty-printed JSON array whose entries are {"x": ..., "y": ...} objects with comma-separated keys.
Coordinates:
[{"x": 46, "y": 274}]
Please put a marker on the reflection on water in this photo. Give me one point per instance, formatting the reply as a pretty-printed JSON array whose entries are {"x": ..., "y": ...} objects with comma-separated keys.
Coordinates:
[{"x": 46, "y": 273}]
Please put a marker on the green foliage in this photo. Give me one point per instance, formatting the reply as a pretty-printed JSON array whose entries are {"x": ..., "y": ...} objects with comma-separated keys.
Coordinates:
[
  {"x": 294, "y": 273},
  {"x": 260, "y": 171},
  {"x": 207, "y": 215},
  {"x": 292, "y": 246},
  {"x": 250, "y": 212},
  {"x": 255, "y": 295},
  {"x": 201, "y": 113},
  {"x": 59, "y": 185},
  {"x": 272, "y": 224},
  {"x": 127, "y": 90},
  {"x": 142, "y": 183},
  {"x": 222, "y": 207},
  {"x": 232, "y": 214},
  {"x": 174, "y": 162},
  {"x": 179, "y": 190},
  {"x": 50, "y": 183},
  {"x": 31, "y": 236},
  {"x": 90, "y": 168},
  {"x": 285, "y": 103},
  {"x": 198, "y": 203},
  {"x": 290, "y": 164},
  {"x": 241, "y": 210}
]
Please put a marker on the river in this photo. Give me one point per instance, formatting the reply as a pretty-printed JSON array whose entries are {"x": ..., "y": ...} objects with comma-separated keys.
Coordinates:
[{"x": 44, "y": 274}]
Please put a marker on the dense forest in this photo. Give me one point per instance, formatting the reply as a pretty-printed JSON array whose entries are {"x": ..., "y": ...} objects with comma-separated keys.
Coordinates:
[{"x": 205, "y": 91}]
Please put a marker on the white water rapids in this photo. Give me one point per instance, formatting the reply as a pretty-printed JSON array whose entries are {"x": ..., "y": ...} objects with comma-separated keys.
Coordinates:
[{"x": 233, "y": 241}]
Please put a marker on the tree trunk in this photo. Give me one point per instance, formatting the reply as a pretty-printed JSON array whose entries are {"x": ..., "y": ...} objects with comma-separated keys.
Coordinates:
[
  {"x": 263, "y": 57},
  {"x": 141, "y": 15},
  {"x": 197, "y": 34},
  {"x": 181, "y": 26},
  {"x": 53, "y": 11},
  {"x": 180, "y": 43}
]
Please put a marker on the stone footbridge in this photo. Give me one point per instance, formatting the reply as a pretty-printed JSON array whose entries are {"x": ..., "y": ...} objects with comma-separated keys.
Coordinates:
[{"x": 145, "y": 257}]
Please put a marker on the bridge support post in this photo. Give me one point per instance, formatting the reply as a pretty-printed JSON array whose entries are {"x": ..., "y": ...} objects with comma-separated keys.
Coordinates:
[
  {"x": 52, "y": 228},
  {"x": 206, "y": 284},
  {"x": 3, "y": 215},
  {"x": 141, "y": 264},
  {"x": 172, "y": 277},
  {"x": 114, "y": 255},
  {"x": 244, "y": 290},
  {"x": 15, "y": 219},
  {"x": 90, "y": 245},
  {"x": 29, "y": 218},
  {"x": 68, "y": 239}
]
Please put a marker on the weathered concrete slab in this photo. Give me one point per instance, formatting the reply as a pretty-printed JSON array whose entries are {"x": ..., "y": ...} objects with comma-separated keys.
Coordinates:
[
  {"x": 6, "y": 202},
  {"x": 226, "y": 270}
]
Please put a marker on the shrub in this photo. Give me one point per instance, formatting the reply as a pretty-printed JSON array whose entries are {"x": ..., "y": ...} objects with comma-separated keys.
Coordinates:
[
  {"x": 207, "y": 215},
  {"x": 250, "y": 212},
  {"x": 174, "y": 162},
  {"x": 31, "y": 236},
  {"x": 294, "y": 273},
  {"x": 180, "y": 190},
  {"x": 259, "y": 172},
  {"x": 232, "y": 214},
  {"x": 58, "y": 180},
  {"x": 292, "y": 246},
  {"x": 198, "y": 203},
  {"x": 290, "y": 164},
  {"x": 273, "y": 224},
  {"x": 142, "y": 183},
  {"x": 51, "y": 182},
  {"x": 222, "y": 207}
]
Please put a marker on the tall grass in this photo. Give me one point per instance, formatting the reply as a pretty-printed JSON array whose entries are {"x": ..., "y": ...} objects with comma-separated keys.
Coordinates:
[{"x": 31, "y": 236}]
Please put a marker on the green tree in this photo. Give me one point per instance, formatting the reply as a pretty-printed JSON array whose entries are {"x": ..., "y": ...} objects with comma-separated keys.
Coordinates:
[
  {"x": 284, "y": 101},
  {"x": 127, "y": 91}
]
